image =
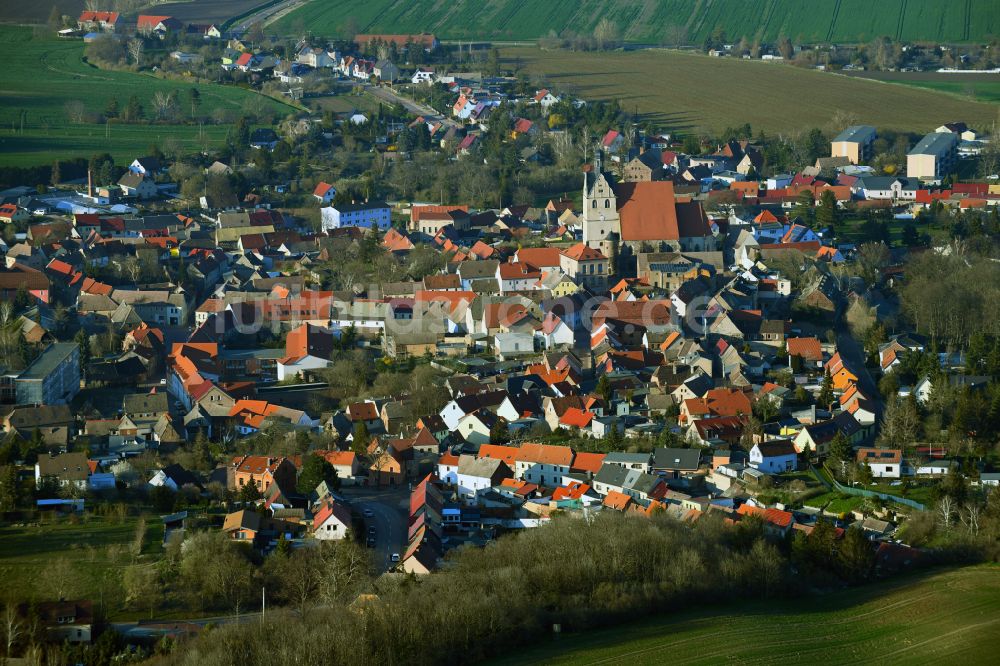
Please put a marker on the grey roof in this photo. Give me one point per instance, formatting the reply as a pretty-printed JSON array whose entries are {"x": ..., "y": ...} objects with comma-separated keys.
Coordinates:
[
  {"x": 856, "y": 134},
  {"x": 935, "y": 143},
  {"x": 619, "y": 458},
  {"x": 143, "y": 403},
  {"x": 49, "y": 360},
  {"x": 470, "y": 270},
  {"x": 885, "y": 182},
  {"x": 481, "y": 467},
  {"x": 676, "y": 459}
]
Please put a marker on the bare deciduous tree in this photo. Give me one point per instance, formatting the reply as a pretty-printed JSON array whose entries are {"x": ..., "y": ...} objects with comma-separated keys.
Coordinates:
[
  {"x": 75, "y": 110},
  {"x": 13, "y": 628},
  {"x": 946, "y": 510},
  {"x": 135, "y": 49}
]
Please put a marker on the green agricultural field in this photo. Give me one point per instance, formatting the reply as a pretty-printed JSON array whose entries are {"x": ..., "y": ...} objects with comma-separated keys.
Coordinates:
[
  {"x": 44, "y": 74},
  {"x": 693, "y": 92},
  {"x": 659, "y": 21},
  {"x": 949, "y": 617},
  {"x": 91, "y": 553}
]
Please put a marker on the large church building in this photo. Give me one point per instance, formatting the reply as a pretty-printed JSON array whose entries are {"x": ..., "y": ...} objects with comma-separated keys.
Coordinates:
[{"x": 641, "y": 213}]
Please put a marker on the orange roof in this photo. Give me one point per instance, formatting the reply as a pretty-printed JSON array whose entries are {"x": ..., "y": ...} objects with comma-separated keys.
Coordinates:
[
  {"x": 583, "y": 252},
  {"x": 448, "y": 458},
  {"x": 764, "y": 217},
  {"x": 577, "y": 418},
  {"x": 60, "y": 267},
  {"x": 546, "y": 454},
  {"x": 573, "y": 490},
  {"x": 648, "y": 211},
  {"x": 518, "y": 272},
  {"x": 617, "y": 501},
  {"x": 773, "y": 516},
  {"x": 587, "y": 462},
  {"x": 806, "y": 348},
  {"x": 539, "y": 257},
  {"x": 396, "y": 242},
  {"x": 417, "y": 212},
  {"x": 338, "y": 458},
  {"x": 670, "y": 340},
  {"x": 508, "y": 454},
  {"x": 322, "y": 189}
]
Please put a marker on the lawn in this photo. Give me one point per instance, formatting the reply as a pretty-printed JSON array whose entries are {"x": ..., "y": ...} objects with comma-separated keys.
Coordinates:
[
  {"x": 658, "y": 21},
  {"x": 941, "y": 618},
  {"x": 94, "y": 552},
  {"x": 694, "y": 92},
  {"x": 44, "y": 74}
]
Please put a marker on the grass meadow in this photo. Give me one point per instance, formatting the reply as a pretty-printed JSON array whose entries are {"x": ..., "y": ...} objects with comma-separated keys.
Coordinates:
[
  {"x": 44, "y": 74},
  {"x": 659, "y": 21},
  {"x": 946, "y": 617}
]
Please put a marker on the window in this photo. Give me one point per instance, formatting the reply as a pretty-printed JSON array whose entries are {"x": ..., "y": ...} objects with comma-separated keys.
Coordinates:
[
  {"x": 593, "y": 204},
  {"x": 607, "y": 203}
]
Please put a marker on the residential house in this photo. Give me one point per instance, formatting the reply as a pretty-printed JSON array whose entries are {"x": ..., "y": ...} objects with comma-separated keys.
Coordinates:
[
  {"x": 586, "y": 265},
  {"x": 774, "y": 457},
  {"x": 66, "y": 621},
  {"x": 332, "y": 522},
  {"x": 474, "y": 475},
  {"x": 324, "y": 193},
  {"x": 261, "y": 472},
  {"x": 884, "y": 463}
]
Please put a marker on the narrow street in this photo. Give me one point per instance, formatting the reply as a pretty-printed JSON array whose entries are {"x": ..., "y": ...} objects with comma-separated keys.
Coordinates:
[
  {"x": 389, "y": 510},
  {"x": 392, "y": 97}
]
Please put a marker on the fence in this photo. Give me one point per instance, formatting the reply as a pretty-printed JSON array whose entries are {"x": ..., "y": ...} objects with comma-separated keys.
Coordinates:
[{"x": 871, "y": 493}]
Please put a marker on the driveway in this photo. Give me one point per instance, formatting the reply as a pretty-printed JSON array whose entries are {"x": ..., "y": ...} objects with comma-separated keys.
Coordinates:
[{"x": 389, "y": 507}]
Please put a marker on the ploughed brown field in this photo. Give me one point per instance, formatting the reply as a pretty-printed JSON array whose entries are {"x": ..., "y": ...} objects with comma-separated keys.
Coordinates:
[{"x": 694, "y": 92}]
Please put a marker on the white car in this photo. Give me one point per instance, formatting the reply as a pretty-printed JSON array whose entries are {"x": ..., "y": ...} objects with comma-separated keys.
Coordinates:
[{"x": 395, "y": 557}]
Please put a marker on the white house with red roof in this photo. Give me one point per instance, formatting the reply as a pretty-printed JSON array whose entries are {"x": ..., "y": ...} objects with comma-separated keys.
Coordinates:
[
  {"x": 91, "y": 21},
  {"x": 160, "y": 25},
  {"x": 332, "y": 522},
  {"x": 325, "y": 192}
]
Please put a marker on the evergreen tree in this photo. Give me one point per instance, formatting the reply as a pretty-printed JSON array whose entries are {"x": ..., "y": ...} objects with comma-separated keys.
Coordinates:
[
  {"x": 499, "y": 433},
  {"x": 825, "y": 396},
  {"x": 603, "y": 388},
  {"x": 826, "y": 213},
  {"x": 9, "y": 490},
  {"x": 361, "y": 439}
]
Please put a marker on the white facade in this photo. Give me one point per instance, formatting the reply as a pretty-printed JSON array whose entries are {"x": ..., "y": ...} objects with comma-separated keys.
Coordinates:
[
  {"x": 364, "y": 215},
  {"x": 772, "y": 464}
]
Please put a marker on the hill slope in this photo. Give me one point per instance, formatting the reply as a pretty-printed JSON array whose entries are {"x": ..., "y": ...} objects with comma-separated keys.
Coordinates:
[
  {"x": 659, "y": 21},
  {"x": 950, "y": 617},
  {"x": 45, "y": 74}
]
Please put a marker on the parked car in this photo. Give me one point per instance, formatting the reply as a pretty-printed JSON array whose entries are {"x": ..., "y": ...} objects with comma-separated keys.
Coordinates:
[{"x": 395, "y": 557}]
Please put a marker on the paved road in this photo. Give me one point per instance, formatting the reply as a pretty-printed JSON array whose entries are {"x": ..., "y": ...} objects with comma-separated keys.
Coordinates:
[
  {"x": 389, "y": 506},
  {"x": 392, "y": 97},
  {"x": 265, "y": 16}
]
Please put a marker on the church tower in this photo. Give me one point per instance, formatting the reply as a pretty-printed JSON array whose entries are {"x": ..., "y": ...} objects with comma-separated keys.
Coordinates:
[{"x": 600, "y": 206}]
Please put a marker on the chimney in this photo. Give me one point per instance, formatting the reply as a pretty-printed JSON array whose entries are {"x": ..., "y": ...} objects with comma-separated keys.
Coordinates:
[{"x": 90, "y": 183}]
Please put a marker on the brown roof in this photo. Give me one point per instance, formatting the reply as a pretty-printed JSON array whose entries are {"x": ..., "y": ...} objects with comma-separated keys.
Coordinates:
[
  {"x": 546, "y": 454},
  {"x": 806, "y": 348},
  {"x": 648, "y": 211}
]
